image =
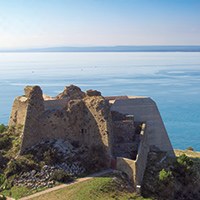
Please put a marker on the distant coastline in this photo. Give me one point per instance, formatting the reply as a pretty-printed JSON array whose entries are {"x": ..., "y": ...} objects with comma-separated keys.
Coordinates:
[{"x": 162, "y": 48}]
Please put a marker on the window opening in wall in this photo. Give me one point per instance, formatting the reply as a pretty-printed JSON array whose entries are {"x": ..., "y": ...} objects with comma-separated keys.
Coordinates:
[{"x": 83, "y": 130}]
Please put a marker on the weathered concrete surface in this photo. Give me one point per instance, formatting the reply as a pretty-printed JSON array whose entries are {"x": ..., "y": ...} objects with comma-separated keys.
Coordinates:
[
  {"x": 141, "y": 159},
  {"x": 127, "y": 166},
  {"x": 145, "y": 110},
  {"x": 135, "y": 168}
]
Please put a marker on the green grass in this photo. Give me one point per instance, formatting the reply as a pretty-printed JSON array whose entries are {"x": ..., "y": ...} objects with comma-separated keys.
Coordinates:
[
  {"x": 18, "y": 192},
  {"x": 101, "y": 188}
]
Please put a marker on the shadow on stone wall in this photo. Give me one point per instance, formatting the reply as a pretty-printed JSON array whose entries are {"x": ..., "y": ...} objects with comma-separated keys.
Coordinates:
[{"x": 84, "y": 121}]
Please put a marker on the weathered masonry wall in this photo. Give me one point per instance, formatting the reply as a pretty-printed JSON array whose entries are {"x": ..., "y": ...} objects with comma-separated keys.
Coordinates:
[
  {"x": 19, "y": 110},
  {"x": 124, "y": 140},
  {"x": 55, "y": 104},
  {"x": 35, "y": 107},
  {"x": 78, "y": 118},
  {"x": 145, "y": 110}
]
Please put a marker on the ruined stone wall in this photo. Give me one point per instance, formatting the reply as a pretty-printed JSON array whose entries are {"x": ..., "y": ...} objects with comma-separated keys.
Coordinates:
[
  {"x": 18, "y": 112},
  {"x": 55, "y": 104},
  {"x": 82, "y": 121},
  {"x": 35, "y": 107},
  {"x": 63, "y": 123},
  {"x": 124, "y": 143},
  {"x": 81, "y": 118},
  {"x": 99, "y": 108}
]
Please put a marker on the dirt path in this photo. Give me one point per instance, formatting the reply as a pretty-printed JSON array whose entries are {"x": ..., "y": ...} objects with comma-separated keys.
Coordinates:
[{"x": 66, "y": 185}]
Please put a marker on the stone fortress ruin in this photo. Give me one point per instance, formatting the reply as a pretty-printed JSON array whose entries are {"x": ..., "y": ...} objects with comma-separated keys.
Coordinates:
[{"x": 126, "y": 128}]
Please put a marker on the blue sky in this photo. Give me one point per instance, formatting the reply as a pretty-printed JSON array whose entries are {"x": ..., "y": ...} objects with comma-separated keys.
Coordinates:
[{"x": 44, "y": 23}]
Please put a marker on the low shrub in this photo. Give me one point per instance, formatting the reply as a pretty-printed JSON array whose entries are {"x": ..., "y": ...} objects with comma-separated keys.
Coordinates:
[
  {"x": 3, "y": 128},
  {"x": 21, "y": 164},
  {"x": 2, "y": 179},
  {"x": 3, "y": 162},
  {"x": 51, "y": 157},
  {"x": 177, "y": 179},
  {"x": 96, "y": 159},
  {"x": 2, "y": 197},
  {"x": 61, "y": 176},
  {"x": 164, "y": 175},
  {"x": 5, "y": 142},
  {"x": 185, "y": 161}
]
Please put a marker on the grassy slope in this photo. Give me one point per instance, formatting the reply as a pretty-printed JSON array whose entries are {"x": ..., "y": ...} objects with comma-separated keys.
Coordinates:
[{"x": 100, "y": 188}]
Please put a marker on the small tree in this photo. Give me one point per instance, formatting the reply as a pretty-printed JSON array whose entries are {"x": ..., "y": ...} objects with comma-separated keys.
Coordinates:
[
  {"x": 61, "y": 176},
  {"x": 164, "y": 175},
  {"x": 3, "y": 128},
  {"x": 185, "y": 161}
]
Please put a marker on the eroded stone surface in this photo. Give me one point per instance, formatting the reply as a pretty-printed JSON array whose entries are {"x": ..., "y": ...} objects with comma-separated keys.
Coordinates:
[{"x": 74, "y": 116}]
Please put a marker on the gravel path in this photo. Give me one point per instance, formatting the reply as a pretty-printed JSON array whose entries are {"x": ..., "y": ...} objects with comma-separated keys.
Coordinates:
[{"x": 69, "y": 184}]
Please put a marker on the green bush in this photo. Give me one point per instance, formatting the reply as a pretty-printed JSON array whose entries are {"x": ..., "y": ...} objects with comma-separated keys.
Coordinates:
[
  {"x": 165, "y": 175},
  {"x": 5, "y": 142},
  {"x": 61, "y": 176},
  {"x": 175, "y": 179},
  {"x": 3, "y": 128},
  {"x": 50, "y": 157},
  {"x": 185, "y": 161},
  {"x": 2, "y": 179},
  {"x": 2, "y": 197},
  {"x": 96, "y": 159},
  {"x": 21, "y": 164}
]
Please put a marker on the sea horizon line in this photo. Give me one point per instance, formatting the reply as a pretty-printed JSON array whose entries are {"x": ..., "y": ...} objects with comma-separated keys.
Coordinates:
[{"x": 116, "y": 48}]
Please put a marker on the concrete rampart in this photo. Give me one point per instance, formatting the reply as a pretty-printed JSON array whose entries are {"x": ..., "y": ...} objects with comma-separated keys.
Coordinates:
[
  {"x": 141, "y": 159},
  {"x": 145, "y": 110},
  {"x": 127, "y": 166}
]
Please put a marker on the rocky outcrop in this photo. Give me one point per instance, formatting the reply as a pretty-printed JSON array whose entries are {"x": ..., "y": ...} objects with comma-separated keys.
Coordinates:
[
  {"x": 93, "y": 93},
  {"x": 71, "y": 92}
]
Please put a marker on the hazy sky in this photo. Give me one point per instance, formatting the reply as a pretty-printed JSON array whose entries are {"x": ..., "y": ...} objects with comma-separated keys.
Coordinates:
[{"x": 38, "y": 23}]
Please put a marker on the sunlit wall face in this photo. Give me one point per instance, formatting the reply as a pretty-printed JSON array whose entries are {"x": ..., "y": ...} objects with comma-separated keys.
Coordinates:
[{"x": 30, "y": 23}]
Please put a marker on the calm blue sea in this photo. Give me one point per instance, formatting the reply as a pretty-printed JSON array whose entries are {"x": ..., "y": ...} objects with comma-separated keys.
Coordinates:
[{"x": 171, "y": 79}]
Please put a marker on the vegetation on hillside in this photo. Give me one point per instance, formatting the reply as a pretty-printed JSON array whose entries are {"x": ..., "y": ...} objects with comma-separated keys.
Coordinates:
[
  {"x": 165, "y": 179},
  {"x": 45, "y": 161},
  {"x": 172, "y": 179}
]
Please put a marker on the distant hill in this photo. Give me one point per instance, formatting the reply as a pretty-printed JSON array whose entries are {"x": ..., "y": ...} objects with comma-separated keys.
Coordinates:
[{"x": 110, "y": 49}]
